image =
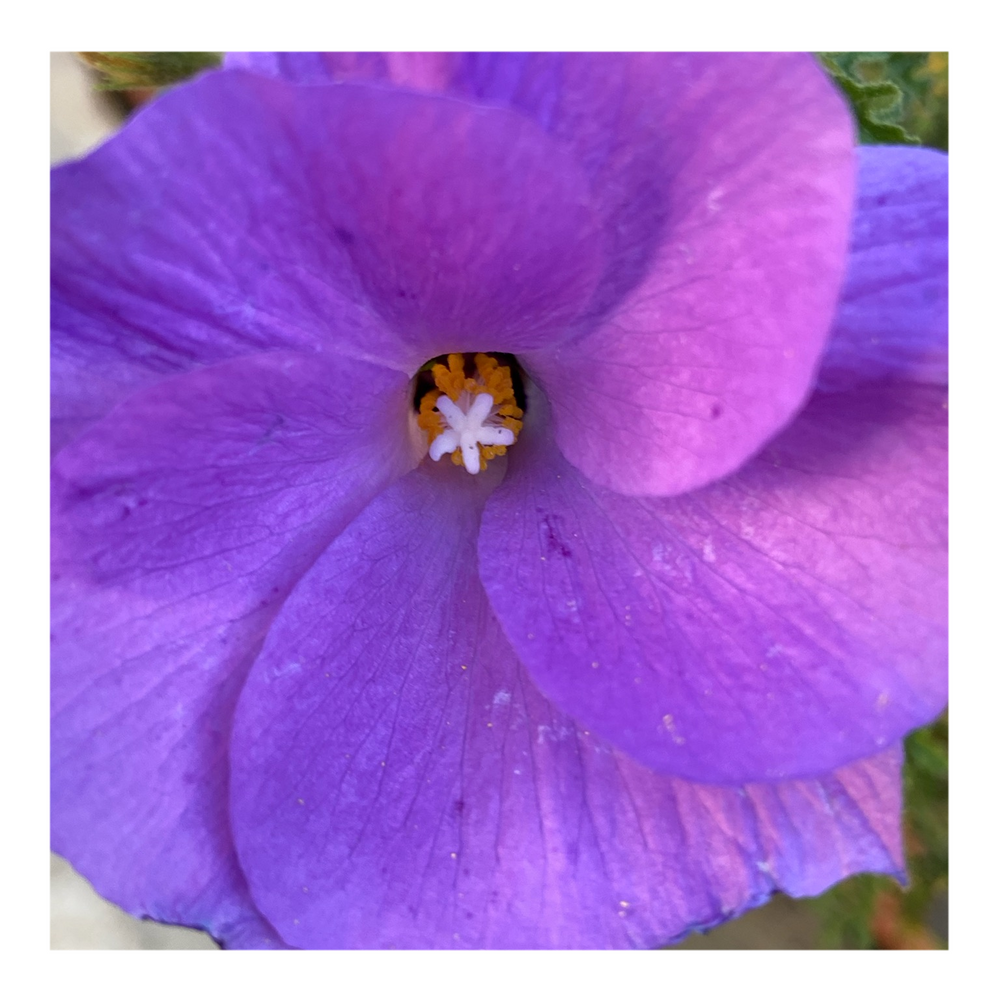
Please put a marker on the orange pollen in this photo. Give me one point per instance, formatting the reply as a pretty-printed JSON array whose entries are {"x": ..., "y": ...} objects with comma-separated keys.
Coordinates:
[{"x": 458, "y": 422}]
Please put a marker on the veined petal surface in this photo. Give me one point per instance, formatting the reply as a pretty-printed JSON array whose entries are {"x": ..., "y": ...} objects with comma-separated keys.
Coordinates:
[
  {"x": 238, "y": 213},
  {"x": 780, "y": 623},
  {"x": 892, "y": 321},
  {"x": 190, "y": 237},
  {"x": 398, "y": 781},
  {"x": 180, "y": 524}
]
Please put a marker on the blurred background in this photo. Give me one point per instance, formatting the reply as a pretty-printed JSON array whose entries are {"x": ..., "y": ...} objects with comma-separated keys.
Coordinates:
[{"x": 898, "y": 97}]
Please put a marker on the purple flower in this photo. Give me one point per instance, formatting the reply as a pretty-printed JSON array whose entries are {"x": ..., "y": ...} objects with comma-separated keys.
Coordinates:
[{"x": 314, "y": 689}]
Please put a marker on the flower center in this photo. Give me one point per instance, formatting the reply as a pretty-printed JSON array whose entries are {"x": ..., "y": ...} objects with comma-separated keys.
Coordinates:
[{"x": 472, "y": 417}]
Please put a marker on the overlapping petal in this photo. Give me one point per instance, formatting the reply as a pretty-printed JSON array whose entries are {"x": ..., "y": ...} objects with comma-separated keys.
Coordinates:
[
  {"x": 723, "y": 185},
  {"x": 398, "y": 781},
  {"x": 238, "y": 214},
  {"x": 892, "y": 321},
  {"x": 779, "y": 623},
  {"x": 180, "y": 524}
]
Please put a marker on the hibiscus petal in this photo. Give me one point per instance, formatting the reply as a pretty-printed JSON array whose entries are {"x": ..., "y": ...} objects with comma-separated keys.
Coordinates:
[
  {"x": 399, "y": 782},
  {"x": 180, "y": 524},
  {"x": 892, "y": 321},
  {"x": 779, "y": 623},
  {"x": 383, "y": 225}
]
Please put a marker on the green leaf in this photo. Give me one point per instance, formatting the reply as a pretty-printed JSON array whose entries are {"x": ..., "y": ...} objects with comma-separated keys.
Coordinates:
[
  {"x": 876, "y": 104},
  {"x": 897, "y": 97}
]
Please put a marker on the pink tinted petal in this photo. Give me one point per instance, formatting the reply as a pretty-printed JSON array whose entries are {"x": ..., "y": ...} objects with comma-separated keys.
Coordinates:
[
  {"x": 238, "y": 213},
  {"x": 180, "y": 523},
  {"x": 777, "y": 624},
  {"x": 399, "y": 782},
  {"x": 746, "y": 169},
  {"x": 892, "y": 321}
]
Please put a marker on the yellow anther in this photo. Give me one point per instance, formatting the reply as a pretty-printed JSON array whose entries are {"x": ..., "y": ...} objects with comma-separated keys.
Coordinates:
[{"x": 451, "y": 380}]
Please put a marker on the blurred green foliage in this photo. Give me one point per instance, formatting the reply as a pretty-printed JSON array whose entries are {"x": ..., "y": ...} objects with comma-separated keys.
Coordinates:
[
  {"x": 897, "y": 97},
  {"x": 140, "y": 70}
]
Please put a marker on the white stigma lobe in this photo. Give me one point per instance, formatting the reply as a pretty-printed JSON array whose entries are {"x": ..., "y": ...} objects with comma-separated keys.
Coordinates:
[{"x": 472, "y": 421}]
